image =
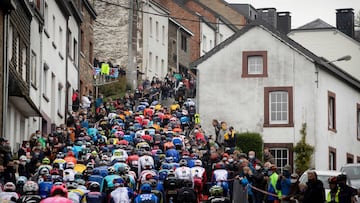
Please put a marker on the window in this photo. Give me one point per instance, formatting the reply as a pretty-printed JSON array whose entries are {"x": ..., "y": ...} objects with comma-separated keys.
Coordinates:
[
  {"x": 60, "y": 40},
  {"x": 69, "y": 43},
  {"x": 38, "y": 4},
  {"x": 33, "y": 69},
  {"x": 150, "y": 60},
  {"x": 59, "y": 99},
  {"x": 221, "y": 38},
  {"x": 254, "y": 64},
  {"x": 183, "y": 43},
  {"x": 157, "y": 30},
  {"x": 46, "y": 16},
  {"x": 75, "y": 49},
  {"x": 151, "y": 28},
  {"x": 90, "y": 52},
  {"x": 156, "y": 64},
  {"x": 204, "y": 43},
  {"x": 332, "y": 158},
  {"x": 10, "y": 42},
  {"x": 281, "y": 156},
  {"x": 332, "y": 111},
  {"x": 45, "y": 79},
  {"x": 23, "y": 63},
  {"x": 358, "y": 159},
  {"x": 278, "y": 107},
  {"x": 162, "y": 67},
  {"x": 82, "y": 41},
  {"x": 349, "y": 158},
  {"x": 358, "y": 121},
  {"x": 53, "y": 28},
  {"x": 211, "y": 44},
  {"x": 163, "y": 34}
]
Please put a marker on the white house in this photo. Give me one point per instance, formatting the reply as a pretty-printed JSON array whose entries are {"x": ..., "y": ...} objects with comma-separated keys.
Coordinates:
[
  {"x": 155, "y": 39},
  {"x": 53, "y": 72},
  {"x": 262, "y": 81},
  {"x": 327, "y": 41}
]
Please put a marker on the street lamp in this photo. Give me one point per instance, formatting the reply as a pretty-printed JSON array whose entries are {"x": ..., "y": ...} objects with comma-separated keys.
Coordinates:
[{"x": 344, "y": 58}]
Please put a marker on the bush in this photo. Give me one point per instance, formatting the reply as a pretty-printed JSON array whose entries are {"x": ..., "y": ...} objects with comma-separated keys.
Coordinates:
[
  {"x": 303, "y": 152},
  {"x": 116, "y": 88},
  {"x": 250, "y": 141}
]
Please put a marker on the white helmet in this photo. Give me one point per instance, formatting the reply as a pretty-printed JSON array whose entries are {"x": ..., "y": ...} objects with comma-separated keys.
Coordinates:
[
  {"x": 111, "y": 170},
  {"x": 71, "y": 185},
  {"x": 70, "y": 165},
  {"x": 198, "y": 162},
  {"x": 9, "y": 187},
  {"x": 31, "y": 187}
]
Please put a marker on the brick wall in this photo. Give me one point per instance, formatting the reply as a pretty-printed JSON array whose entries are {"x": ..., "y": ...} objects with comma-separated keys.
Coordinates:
[
  {"x": 196, "y": 7},
  {"x": 223, "y": 9},
  {"x": 111, "y": 33},
  {"x": 86, "y": 52},
  {"x": 192, "y": 23}
]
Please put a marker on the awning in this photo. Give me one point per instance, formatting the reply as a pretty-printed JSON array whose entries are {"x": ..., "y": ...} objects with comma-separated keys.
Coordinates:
[{"x": 25, "y": 106}]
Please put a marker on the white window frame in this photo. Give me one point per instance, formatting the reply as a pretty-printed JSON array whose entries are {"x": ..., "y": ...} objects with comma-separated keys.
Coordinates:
[
  {"x": 283, "y": 160},
  {"x": 255, "y": 67},
  {"x": 278, "y": 104}
]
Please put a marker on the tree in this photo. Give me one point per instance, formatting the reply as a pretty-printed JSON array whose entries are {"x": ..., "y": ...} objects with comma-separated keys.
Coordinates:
[{"x": 303, "y": 152}]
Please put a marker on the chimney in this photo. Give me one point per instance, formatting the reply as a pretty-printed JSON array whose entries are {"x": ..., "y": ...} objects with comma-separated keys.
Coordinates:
[
  {"x": 284, "y": 22},
  {"x": 345, "y": 21},
  {"x": 268, "y": 15}
]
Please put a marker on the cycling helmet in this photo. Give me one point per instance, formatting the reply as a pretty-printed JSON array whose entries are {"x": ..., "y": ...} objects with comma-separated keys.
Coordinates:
[
  {"x": 111, "y": 170},
  {"x": 44, "y": 171},
  {"x": 47, "y": 178},
  {"x": 70, "y": 165},
  {"x": 332, "y": 180},
  {"x": 216, "y": 190},
  {"x": 198, "y": 162},
  {"x": 46, "y": 161},
  {"x": 21, "y": 181},
  {"x": 30, "y": 187},
  {"x": 71, "y": 185},
  {"x": 145, "y": 188},
  {"x": 60, "y": 155},
  {"x": 9, "y": 187},
  {"x": 59, "y": 189},
  {"x": 90, "y": 165},
  {"x": 78, "y": 176},
  {"x": 183, "y": 162},
  {"x": 80, "y": 182},
  {"x": 94, "y": 187},
  {"x": 169, "y": 159}
]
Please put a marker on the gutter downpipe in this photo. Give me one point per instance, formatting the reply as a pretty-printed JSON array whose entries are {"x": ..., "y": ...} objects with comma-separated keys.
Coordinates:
[{"x": 6, "y": 74}]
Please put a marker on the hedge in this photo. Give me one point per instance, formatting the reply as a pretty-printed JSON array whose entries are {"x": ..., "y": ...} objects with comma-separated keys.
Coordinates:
[{"x": 250, "y": 141}]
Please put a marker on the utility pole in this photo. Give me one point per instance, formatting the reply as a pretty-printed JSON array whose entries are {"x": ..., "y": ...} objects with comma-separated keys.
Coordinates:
[{"x": 131, "y": 71}]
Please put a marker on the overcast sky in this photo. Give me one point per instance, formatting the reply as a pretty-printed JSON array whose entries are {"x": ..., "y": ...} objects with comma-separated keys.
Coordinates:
[{"x": 304, "y": 11}]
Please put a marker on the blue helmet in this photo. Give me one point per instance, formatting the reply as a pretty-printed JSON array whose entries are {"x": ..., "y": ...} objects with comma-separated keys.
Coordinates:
[
  {"x": 145, "y": 188},
  {"x": 119, "y": 182}
]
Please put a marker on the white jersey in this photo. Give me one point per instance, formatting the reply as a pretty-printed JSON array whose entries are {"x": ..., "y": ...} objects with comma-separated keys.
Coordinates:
[
  {"x": 183, "y": 173},
  {"x": 5, "y": 197},
  {"x": 120, "y": 195},
  {"x": 69, "y": 175},
  {"x": 220, "y": 175},
  {"x": 143, "y": 161},
  {"x": 119, "y": 154},
  {"x": 197, "y": 171}
]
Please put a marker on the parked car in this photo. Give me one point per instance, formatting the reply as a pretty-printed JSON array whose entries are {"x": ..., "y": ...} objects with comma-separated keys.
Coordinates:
[
  {"x": 322, "y": 175},
  {"x": 352, "y": 172}
]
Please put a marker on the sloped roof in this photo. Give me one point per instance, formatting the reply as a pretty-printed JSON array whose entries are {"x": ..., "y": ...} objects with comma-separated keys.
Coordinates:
[
  {"x": 321, "y": 63},
  {"x": 316, "y": 24}
]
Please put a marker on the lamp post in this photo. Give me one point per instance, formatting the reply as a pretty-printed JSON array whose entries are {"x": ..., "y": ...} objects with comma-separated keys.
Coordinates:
[{"x": 344, "y": 58}]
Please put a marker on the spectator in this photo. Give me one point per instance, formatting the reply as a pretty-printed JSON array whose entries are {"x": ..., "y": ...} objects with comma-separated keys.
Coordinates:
[
  {"x": 268, "y": 157},
  {"x": 75, "y": 101},
  {"x": 347, "y": 194},
  {"x": 314, "y": 192},
  {"x": 85, "y": 102}
]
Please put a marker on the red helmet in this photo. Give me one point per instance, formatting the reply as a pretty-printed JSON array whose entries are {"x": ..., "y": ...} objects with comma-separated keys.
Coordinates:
[{"x": 59, "y": 189}]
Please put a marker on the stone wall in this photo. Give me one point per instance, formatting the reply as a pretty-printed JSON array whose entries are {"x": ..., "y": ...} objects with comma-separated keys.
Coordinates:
[
  {"x": 2, "y": 41},
  {"x": 111, "y": 31}
]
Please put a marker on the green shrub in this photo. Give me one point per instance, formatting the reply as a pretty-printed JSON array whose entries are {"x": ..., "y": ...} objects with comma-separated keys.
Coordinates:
[
  {"x": 116, "y": 88},
  {"x": 303, "y": 152},
  {"x": 250, "y": 141}
]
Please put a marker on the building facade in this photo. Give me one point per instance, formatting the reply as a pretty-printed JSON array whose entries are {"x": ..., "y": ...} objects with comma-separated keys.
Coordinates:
[
  {"x": 87, "y": 48},
  {"x": 258, "y": 89}
]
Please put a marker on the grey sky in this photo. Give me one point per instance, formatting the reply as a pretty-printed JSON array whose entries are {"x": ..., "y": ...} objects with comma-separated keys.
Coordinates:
[{"x": 304, "y": 11}]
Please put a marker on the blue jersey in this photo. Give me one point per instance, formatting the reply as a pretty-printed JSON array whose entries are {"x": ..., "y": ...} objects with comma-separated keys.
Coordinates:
[
  {"x": 146, "y": 198},
  {"x": 44, "y": 189},
  {"x": 95, "y": 197},
  {"x": 108, "y": 182},
  {"x": 173, "y": 153},
  {"x": 96, "y": 178}
]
